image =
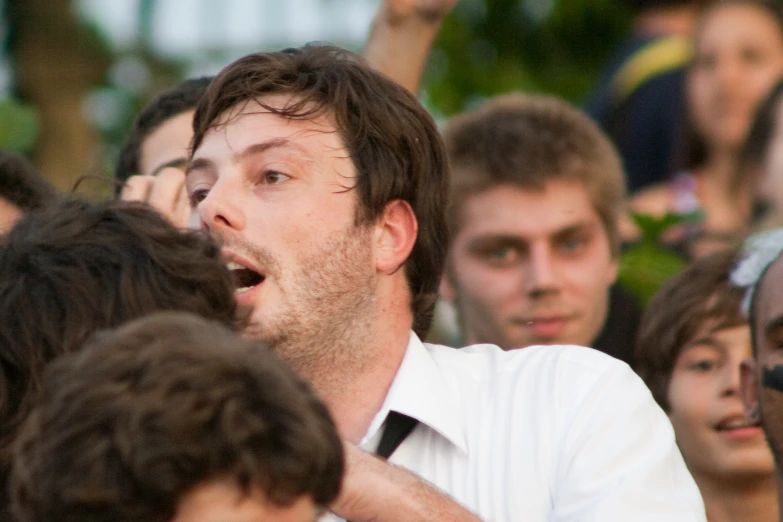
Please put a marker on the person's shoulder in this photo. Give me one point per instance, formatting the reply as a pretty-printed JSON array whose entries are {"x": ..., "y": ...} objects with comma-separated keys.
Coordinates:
[{"x": 533, "y": 363}]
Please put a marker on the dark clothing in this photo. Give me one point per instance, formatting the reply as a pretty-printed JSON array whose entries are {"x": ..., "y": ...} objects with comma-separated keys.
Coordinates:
[
  {"x": 618, "y": 336},
  {"x": 644, "y": 117}
]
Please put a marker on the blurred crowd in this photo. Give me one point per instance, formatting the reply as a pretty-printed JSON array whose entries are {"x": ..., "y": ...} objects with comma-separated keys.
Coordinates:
[{"x": 306, "y": 301}]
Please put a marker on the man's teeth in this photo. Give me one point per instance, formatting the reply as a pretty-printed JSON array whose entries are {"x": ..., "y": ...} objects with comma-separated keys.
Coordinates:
[
  {"x": 234, "y": 266},
  {"x": 242, "y": 290}
]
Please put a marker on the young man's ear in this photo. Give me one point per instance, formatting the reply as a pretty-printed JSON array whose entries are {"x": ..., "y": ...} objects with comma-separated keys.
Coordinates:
[
  {"x": 749, "y": 389},
  {"x": 395, "y": 232}
]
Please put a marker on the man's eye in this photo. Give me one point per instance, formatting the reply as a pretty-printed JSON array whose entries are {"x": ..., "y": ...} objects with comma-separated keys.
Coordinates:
[
  {"x": 272, "y": 177},
  {"x": 572, "y": 244},
  {"x": 502, "y": 255},
  {"x": 197, "y": 196}
]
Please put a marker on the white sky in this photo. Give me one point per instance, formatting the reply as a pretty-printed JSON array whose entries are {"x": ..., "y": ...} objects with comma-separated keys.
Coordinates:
[{"x": 226, "y": 29}]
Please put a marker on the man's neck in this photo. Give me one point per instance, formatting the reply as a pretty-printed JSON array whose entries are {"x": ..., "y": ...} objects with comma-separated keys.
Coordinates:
[
  {"x": 667, "y": 21},
  {"x": 745, "y": 499},
  {"x": 367, "y": 354}
]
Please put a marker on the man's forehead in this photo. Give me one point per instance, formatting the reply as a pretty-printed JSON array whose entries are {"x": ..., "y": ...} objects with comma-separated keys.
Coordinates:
[
  {"x": 251, "y": 121},
  {"x": 540, "y": 212}
]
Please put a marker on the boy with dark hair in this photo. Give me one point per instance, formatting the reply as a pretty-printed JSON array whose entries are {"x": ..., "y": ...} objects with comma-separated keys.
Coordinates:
[
  {"x": 174, "y": 419},
  {"x": 159, "y": 146},
  {"x": 22, "y": 189},
  {"x": 692, "y": 341},
  {"x": 161, "y": 133},
  {"x": 75, "y": 268}
]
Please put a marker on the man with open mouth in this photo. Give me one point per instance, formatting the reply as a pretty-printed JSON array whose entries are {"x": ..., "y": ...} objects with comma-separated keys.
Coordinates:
[{"x": 326, "y": 184}]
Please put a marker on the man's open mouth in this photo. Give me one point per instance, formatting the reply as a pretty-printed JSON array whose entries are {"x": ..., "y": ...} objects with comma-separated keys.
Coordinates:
[{"x": 244, "y": 278}]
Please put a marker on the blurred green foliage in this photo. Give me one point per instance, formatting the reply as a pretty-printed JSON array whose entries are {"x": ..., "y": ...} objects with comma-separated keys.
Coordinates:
[
  {"x": 649, "y": 263},
  {"x": 19, "y": 128},
  {"x": 487, "y": 47}
]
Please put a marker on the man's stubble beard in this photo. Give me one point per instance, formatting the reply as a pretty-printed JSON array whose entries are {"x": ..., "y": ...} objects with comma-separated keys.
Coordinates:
[{"x": 328, "y": 312}]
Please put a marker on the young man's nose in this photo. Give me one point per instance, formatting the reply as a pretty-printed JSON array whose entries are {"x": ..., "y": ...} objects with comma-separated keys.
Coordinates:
[
  {"x": 542, "y": 273},
  {"x": 222, "y": 208}
]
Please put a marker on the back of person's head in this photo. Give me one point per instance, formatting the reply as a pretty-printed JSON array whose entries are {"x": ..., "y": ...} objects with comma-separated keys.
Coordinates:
[
  {"x": 127, "y": 428},
  {"x": 392, "y": 141},
  {"x": 526, "y": 142},
  {"x": 22, "y": 185},
  {"x": 75, "y": 268},
  {"x": 177, "y": 100},
  {"x": 701, "y": 294}
]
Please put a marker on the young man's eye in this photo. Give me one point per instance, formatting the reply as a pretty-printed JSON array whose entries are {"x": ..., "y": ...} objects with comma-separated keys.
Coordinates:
[
  {"x": 197, "y": 196},
  {"x": 703, "y": 365},
  {"x": 272, "y": 177},
  {"x": 572, "y": 244},
  {"x": 499, "y": 255}
]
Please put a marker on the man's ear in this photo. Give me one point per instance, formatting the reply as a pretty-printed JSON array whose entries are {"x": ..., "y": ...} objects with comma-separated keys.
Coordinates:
[
  {"x": 396, "y": 232},
  {"x": 749, "y": 389}
]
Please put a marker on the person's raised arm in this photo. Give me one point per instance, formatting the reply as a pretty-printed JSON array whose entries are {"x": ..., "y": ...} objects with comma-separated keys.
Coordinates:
[{"x": 401, "y": 36}]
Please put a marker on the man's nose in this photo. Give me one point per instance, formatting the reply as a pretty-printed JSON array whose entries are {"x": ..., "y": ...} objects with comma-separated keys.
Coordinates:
[
  {"x": 541, "y": 277},
  {"x": 222, "y": 208}
]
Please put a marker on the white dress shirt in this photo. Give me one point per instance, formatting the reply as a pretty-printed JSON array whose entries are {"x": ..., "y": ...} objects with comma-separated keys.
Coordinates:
[{"x": 546, "y": 433}]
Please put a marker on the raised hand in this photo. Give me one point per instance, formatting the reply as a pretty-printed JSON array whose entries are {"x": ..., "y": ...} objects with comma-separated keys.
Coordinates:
[
  {"x": 428, "y": 10},
  {"x": 165, "y": 193}
]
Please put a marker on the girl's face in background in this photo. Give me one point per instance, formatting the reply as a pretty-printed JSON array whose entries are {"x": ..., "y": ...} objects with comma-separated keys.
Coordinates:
[{"x": 738, "y": 57}]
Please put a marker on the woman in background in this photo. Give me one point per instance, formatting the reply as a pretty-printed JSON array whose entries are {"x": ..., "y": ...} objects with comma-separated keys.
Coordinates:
[{"x": 738, "y": 57}]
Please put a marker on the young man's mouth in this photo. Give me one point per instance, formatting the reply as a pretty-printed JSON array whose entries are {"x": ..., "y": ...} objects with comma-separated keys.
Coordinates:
[{"x": 245, "y": 279}]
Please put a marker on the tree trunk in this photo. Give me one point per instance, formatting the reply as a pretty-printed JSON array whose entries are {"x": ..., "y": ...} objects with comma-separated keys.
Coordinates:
[{"x": 55, "y": 67}]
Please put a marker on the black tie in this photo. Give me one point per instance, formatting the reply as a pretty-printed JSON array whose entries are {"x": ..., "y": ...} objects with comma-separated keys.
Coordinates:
[{"x": 398, "y": 427}]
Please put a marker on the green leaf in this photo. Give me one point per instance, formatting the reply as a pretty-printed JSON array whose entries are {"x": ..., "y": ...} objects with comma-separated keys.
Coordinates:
[
  {"x": 19, "y": 126},
  {"x": 646, "y": 266},
  {"x": 653, "y": 228}
]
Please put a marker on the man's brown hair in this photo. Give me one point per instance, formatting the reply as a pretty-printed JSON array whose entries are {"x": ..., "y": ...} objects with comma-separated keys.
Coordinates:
[
  {"x": 138, "y": 418},
  {"x": 700, "y": 296},
  {"x": 75, "y": 268},
  {"x": 526, "y": 142},
  {"x": 392, "y": 140}
]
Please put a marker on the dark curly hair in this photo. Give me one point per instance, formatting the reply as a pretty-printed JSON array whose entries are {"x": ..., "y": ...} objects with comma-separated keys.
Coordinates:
[
  {"x": 22, "y": 185},
  {"x": 75, "y": 268},
  {"x": 128, "y": 426},
  {"x": 701, "y": 294}
]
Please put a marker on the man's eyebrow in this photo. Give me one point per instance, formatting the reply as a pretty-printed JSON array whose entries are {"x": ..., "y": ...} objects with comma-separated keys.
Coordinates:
[
  {"x": 250, "y": 150},
  {"x": 177, "y": 163},
  {"x": 494, "y": 240}
]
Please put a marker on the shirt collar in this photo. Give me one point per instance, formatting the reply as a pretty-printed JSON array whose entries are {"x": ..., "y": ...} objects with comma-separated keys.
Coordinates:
[{"x": 420, "y": 391}]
